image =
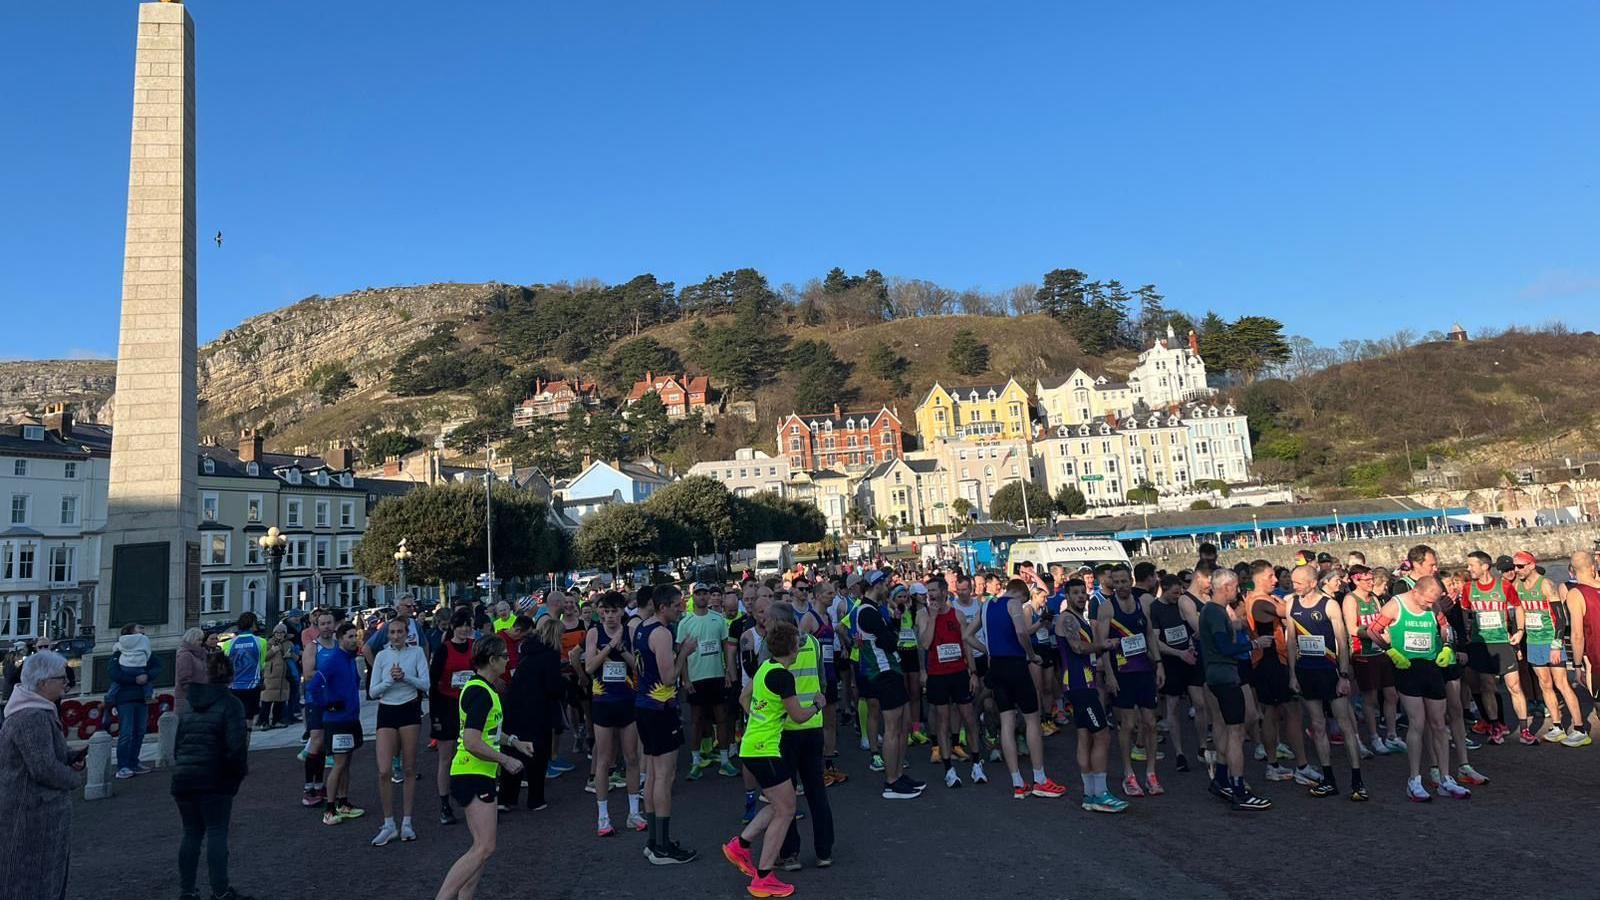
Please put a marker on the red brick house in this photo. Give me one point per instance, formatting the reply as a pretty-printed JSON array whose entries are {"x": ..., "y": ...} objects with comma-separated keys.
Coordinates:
[
  {"x": 554, "y": 398},
  {"x": 680, "y": 394},
  {"x": 845, "y": 441}
]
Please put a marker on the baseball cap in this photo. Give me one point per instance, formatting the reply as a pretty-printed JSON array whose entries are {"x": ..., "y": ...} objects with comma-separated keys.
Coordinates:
[
  {"x": 918, "y": 589},
  {"x": 1523, "y": 558},
  {"x": 1504, "y": 563},
  {"x": 700, "y": 587},
  {"x": 1324, "y": 557},
  {"x": 875, "y": 576}
]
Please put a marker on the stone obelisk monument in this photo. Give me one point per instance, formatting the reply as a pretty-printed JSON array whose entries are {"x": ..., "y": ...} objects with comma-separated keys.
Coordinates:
[{"x": 150, "y": 554}]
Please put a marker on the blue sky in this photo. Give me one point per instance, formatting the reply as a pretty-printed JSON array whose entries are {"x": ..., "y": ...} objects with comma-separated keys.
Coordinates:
[{"x": 1349, "y": 168}]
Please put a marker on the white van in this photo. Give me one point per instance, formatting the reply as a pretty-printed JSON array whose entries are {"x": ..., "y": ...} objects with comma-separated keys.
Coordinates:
[{"x": 1068, "y": 552}]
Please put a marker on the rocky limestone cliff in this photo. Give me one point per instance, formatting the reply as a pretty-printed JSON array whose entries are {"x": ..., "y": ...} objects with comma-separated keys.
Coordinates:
[{"x": 256, "y": 372}]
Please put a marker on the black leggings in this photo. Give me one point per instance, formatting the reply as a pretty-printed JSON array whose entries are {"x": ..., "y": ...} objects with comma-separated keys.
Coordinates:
[
  {"x": 205, "y": 818},
  {"x": 802, "y": 749},
  {"x": 533, "y": 770}
]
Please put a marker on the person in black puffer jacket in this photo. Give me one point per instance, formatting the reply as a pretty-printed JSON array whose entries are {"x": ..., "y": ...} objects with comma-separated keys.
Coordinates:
[
  {"x": 533, "y": 710},
  {"x": 209, "y": 761}
]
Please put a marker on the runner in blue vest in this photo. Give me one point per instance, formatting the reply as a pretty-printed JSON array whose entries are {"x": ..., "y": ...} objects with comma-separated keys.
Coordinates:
[{"x": 248, "y": 653}]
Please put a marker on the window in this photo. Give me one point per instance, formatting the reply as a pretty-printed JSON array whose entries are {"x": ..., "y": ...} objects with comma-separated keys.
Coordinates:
[
  {"x": 289, "y": 591},
  {"x": 20, "y": 468},
  {"x": 297, "y": 551},
  {"x": 347, "y": 552},
  {"x": 322, "y": 479},
  {"x": 252, "y": 596},
  {"x": 19, "y": 509},
  {"x": 61, "y": 559},
  {"x": 69, "y": 471},
  {"x": 24, "y": 569},
  {"x": 293, "y": 476},
  {"x": 293, "y": 512},
  {"x": 21, "y": 622},
  {"x": 322, "y": 514},
  {"x": 214, "y": 595},
  {"x": 322, "y": 552},
  {"x": 252, "y": 508},
  {"x": 347, "y": 514},
  {"x": 252, "y": 468},
  {"x": 350, "y": 592},
  {"x": 209, "y": 466},
  {"x": 69, "y": 510},
  {"x": 252, "y": 553},
  {"x": 217, "y": 554},
  {"x": 209, "y": 504}
]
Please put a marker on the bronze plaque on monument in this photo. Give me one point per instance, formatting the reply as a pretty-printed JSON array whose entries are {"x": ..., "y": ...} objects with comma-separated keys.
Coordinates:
[{"x": 139, "y": 584}]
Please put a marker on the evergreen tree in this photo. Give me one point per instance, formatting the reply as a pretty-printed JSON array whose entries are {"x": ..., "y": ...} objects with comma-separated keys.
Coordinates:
[{"x": 968, "y": 355}]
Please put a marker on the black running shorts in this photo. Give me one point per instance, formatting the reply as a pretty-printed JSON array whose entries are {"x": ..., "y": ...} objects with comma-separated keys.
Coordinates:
[{"x": 1012, "y": 685}]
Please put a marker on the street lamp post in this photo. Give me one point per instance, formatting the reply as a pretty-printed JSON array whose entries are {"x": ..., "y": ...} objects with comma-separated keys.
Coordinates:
[
  {"x": 273, "y": 546},
  {"x": 401, "y": 554}
]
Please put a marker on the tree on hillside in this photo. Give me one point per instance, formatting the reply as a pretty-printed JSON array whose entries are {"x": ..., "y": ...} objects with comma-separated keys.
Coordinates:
[
  {"x": 443, "y": 526},
  {"x": 1153, "y": 315},
  {"x": 1061, "y": 295},
  {"x": 1006, "y": 504},
  {"x": 765, "y": 516},
  {"x": 649, "y": 429},
  {"x": 820, "y": 376},
  {"x": 632, "y": 359},
  {"x": 330, "y": 381},
  {"x": 1096, "y": 314},
  {"x": 385, "y": 444},
  {"x": 1070, "y": 501},
  {"x": 1249, "y": 345},
  {"x": 748, "y": 353},
  {"x": 968, "y": 355},
  {"x": 618, "y": 538},
  {"x": 890, "y": 366},
  {"x": 916, "y": 297},
  {"x": 743, "y": 291}
]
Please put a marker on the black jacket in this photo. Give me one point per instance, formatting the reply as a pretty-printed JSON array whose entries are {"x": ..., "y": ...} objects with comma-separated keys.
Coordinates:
[
  {"x": 209, "y": 756},
  {"x": 533, "y": 703}
]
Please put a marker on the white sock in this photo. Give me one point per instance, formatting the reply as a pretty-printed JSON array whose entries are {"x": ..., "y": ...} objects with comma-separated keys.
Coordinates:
[
  {"x": 1016, "y": 779},
  {"x": 1038, "y": 775},
  {"x": 633, "y": 804},
  {"x": 1088, "y": 785},
  {"x": 605, "y": 812},
  {"x": 406, "y": 822},
  {"x": 388, "y": 822},
  {"x": 722, "y": 756}
]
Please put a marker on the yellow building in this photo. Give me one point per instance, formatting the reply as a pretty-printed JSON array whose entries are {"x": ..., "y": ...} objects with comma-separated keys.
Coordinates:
[{"x": 974, "y": 412}]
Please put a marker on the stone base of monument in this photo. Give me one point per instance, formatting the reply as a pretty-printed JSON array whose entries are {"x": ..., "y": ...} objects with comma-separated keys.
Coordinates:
[
  {"x": 100, "y": 765},
  {"x": 167, "y": 736}
]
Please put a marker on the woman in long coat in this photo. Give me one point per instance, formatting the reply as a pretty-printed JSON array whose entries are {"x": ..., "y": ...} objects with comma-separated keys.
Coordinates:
[{"x": 37, "y": 776}]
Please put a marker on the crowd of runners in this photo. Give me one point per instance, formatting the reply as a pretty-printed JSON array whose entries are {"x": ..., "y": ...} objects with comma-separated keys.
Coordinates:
[{"x": 1286, "y": 674}]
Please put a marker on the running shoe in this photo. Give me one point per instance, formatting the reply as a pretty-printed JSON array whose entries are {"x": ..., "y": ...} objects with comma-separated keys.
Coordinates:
[
  {"x": 329, "y": 817},
  {"x": 561, "y": 765},
  {"x": 824, "y": 862},
  {"x": 670, "y": 854},
  {"x": 124, "y": 774},
  {"x": 1473, "y": 743},
  {"x": 1433, "y": 775},
  {"x": 637, "y": 822},
  {"x": 1048, "y": 789},
  {"x": 1365, "y": 751},
  {"x": 1415, "y": 792},
  {"x": 1105, "y": 803},
  {"x": 604, "y": 829},
  {"x": 1576, "y": 738},
  {"x": 1359, "y": 794},
  {"x": 864, "y": 745},
  {"x": 959, "y": 753},
  {"x": 1449, "y": 788},
  {"x": 935, "y": 757},
  {"x": 1279, "y": 773},
  {"x": 901, "y": 789},
  {"x": 1395, "y": 744},
  {"x": 1481, "y": 726},
  {"x": 1137, "y": 754},
  {"x": 618, "y": 782},
  {"x": 1527, "y": 738},
  {"x": 695, "y": 773},
  {"x": 1251, "y": 802},
  {"x": 1153, "y": 786},
  {"x": 1307, "y": 776},
  {"x": 749, "y": 810},
  {"x": 1284, "y": 752},
  {"x": 1323, "y": 789},
  {"x": 346, "y": 811},
  {"x": 951, "y": 779},
  {"x": 1131, "y": 788},
  {"x": 1019, "y": 793},
  {"x": 1218, "y": 791},
  {"x": 313, "y": 797},
  {"x": 877, "y": 763},
  {"x": 397, "y": 771},
  {"x": 588, "y": 786},
  {"x": 831, "y": 777},
  {"x": 978, "y": 775},
  {"x": 1048, "y": 727},
  {"x": 1554, "y": 734},
  {"x": 1260, "y": 753},
  {"x": 1469, "y": 775},
  {"x": 790, "y": 864},
  {"x": 769, "y": 886},
  {"x": 407, "y": 833},
  {"x": 739, "y": 856},
  {"x": 1497, "y": 735},
  {"x": 550, "y": 771},
  {"x": 994, "y": 753},
  {"x": 919, "y": 737},
  {"x": 385, "y": 834},
  {"x": 1182, "y": 764}
]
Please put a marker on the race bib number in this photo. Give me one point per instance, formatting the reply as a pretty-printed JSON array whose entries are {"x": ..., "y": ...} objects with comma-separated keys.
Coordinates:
[
  {"x": 459, "y": 679},
  {"x": 344, "y": 743},
  {"x": 881, "y": 658},
  {"x": 1536, "y": 620},
  {"x": 827, "y": 653},
  {"x": 613, "y": 672},
  {"x": 1491, "y": 619},
  {"x": 948, "y": 653},
  {"x": 1175, "y": 635},
  {"x": 709, "y": 648},
  {"x": 1133, "y": 644},
  {"x": 1045, "y": 636},
  {"x": 1418, "y": 642},
  {"x": 908, "y": 635},
  {"x": 1312, "y": 645}
]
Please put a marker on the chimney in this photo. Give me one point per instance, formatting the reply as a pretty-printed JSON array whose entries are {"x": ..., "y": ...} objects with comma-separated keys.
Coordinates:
[
  {"x": 836, "y": 413},
  {"x": 249, "y": 445},
  {"x": 1194, "y": 342},
  {"x": 58, "y": 418},
  {"x": 391, "y": 466},
  {"x": 649, "y": 377},
  {"x": 340, "y": 458}
]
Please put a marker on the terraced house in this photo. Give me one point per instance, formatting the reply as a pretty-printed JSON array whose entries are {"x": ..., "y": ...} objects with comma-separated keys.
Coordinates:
[
  {"x": 316, "y": 503},
  {"x": 844, "y": 441},
  {"x": 975, "y": 412}
]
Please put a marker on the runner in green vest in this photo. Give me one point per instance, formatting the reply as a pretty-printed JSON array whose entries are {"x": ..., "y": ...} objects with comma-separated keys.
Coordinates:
[
  {"x": 1411, "y": 632},
  {"x": 771, "y": 701},
  {"x": 475, "y": 768},
  {"x": 1492, "y": 612},
  {"x": 1374, "y": 672}
]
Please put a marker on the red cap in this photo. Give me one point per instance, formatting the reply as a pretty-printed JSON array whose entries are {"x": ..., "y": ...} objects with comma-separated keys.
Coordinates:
[{"x": 1523, "y": 558}]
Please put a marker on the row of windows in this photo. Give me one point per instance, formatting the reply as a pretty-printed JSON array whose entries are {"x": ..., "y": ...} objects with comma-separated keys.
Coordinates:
[
  {"x": 23, "y": 468},
  {"x": 22, "y": 510},
  {"x": 292, "y": 593},
  {"x": 299, "y": 552},
  {"x": 293, "y": 511},
  {"x": 19, "y": 562}
]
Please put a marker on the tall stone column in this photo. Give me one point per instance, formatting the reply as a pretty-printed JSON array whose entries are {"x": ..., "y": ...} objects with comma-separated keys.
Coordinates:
[{"x": 151, "y": 550}]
